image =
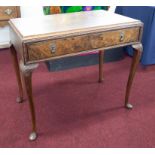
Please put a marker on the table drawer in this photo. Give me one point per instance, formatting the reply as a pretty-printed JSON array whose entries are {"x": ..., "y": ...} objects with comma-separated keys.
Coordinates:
[
  {"x": 59, "y": 47},
  {"x": 7, "y": 12}
]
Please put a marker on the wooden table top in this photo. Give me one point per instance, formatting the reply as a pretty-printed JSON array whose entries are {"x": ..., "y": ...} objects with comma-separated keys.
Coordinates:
[{"x": 61, "y": 24}]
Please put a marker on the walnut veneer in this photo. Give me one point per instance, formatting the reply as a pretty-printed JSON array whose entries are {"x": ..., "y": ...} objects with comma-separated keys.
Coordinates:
[
  {"x": 8, "y": 12},
  {"x": 61, "y": 35}
]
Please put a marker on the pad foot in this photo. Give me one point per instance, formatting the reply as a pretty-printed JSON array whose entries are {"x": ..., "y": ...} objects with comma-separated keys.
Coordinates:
[
  {"x": 129, "y": 106},
  {"x": 33, "y": 136}
]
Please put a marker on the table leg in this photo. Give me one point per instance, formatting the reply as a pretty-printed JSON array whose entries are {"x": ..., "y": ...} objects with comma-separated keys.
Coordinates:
[
  {"x": 101, "y": 61},
  {"x": 136, "y": 58},
  {"x": 17, "y": 71},
  {"x": 27, "y": 75}
]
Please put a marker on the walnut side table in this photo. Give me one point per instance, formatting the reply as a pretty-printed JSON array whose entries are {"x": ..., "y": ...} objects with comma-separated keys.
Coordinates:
[{"x": 63, "y": 35}]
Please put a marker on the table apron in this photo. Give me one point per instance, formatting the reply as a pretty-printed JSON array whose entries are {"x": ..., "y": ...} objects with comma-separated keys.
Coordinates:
[{"x": 73, "y": 45}]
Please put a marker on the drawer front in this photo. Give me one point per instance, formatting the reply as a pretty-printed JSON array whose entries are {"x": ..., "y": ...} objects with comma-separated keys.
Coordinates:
[
  {"x": 7, "y": 12},
  {"x": 71, "y": 45}
]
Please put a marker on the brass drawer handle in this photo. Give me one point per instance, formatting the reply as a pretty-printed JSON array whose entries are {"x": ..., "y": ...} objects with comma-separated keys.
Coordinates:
[
  {"x": 122, "y": 36},
  {"x": 8, "y": 11},
  {"x": 53, "y": 48}
]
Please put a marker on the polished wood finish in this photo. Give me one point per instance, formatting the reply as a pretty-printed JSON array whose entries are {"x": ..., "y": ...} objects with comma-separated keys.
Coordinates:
[
  {"x": 28, "y": 85},
  {"x": 63, "y": 25},
  {"x": 8, "y": 12},
  {"x": 56, "y": 36},
  {"x": 76, "y": 44},
  {"x": 72, "y": 36},
  {"x": 26, "y": 72},
  {"x": 135, "y": 61},
  {"x": 101, "y": 60},
  {"x": 18, "y": 75},
  {"x": 18, "y": 11}
]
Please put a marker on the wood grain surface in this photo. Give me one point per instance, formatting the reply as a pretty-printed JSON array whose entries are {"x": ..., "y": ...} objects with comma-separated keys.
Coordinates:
[
  {"x": 30, "y": 29},
  {"x": 42, "y": 50},
  {"x": 14, "y": 12}
]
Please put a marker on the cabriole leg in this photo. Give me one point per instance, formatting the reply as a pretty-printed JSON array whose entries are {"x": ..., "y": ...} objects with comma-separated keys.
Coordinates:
[
  {"x": 18, "y": 76},
  {"x": 101, "y": 61},
  {"x": 27, "y": 75},
  {"x": 136, "y": 58}
]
